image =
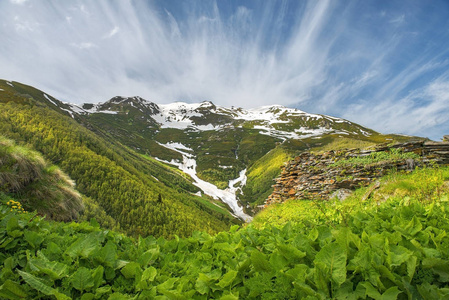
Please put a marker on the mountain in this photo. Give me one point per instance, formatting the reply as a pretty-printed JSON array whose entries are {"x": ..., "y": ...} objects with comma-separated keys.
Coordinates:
[
  {"x": 235, "y": 149},
  {"x": 153, "y": 169},
  {"x": 121, "y": 188}
]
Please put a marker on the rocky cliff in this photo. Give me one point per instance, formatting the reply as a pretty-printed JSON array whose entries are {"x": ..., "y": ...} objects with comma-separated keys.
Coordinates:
[{"x": 333, "y": 173}]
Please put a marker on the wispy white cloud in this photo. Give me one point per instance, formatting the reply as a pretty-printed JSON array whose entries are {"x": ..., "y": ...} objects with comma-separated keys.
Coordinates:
[
  {"x": 20, "y": 2},
  {"x": 374, "y": 63},
  {"x": 113, "y": 32},
  {"x": 84, "y": 45}
]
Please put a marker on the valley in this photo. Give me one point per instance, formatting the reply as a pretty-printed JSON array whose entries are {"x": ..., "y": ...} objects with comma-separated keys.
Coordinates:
[{"x": 128, "y": 199}]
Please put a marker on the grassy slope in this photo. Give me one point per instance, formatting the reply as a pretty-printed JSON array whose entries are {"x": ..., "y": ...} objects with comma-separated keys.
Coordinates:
[
  {"x": 262, "y": 171},
  {"x": 422, "y": 185},
  {"x": 120, "y": 181},
  {"x": 37, "y": 184}
]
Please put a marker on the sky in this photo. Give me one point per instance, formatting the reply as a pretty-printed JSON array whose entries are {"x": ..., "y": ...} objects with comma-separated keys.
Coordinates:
[{"x": 382, "y": 64}]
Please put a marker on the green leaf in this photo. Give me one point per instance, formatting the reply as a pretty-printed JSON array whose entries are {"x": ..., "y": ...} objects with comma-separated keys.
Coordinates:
[
  {"x": 108, "y": 254},
  {"x": 84, "y": 245},
  {"x": 53, "y": 269},
  {"x": 88, "y": 296},
  {"x": 438, "y": 266},
  {"x": 260, "y": 262},
  {"x": 99, "y": 292},
  {"x": 412, "y": 228},
  {"x": 82, "y": 279},
  {"x": 33, "y": 238},
  {"x": 391, "y": 294},
  {"x": 411, "y": 267},
  {"x": 12, "y": 290},
  {"x": 149, "y": 274},
  {"x": 36, "y": 283},
  {"x": 290, "y": 252},
  {"x": 130, "y": 270},
  {"x": 202, "y": 283},
  {"x": 371, "y": 291},
  {"x": 332, "y": 258},
  {"x": 398, "y": 255},
  {"x": 227, "y": 279},
  {"x": 229, "y": 297},
  {"x": 13, "y": 224},
  {"x": 97, "y": 276},
  {"x": 167, "y": 285}
]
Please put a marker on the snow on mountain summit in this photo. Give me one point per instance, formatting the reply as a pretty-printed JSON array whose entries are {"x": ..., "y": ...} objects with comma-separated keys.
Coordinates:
[{"x": 274, "y": 120}]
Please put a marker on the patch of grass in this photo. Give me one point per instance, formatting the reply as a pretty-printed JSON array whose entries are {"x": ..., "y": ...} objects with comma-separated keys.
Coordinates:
[
  {"x": 261, "y": 173},
  {"x": 425, "y": 185},
  {"x": 376, "y": 157}
]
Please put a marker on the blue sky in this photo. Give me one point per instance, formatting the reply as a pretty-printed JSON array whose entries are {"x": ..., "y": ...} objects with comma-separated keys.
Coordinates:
[{"x": 382, "y": 64}]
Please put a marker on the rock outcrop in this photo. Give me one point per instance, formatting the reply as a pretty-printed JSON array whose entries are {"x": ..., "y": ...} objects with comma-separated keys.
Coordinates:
[{"x": 319, "y": 176}]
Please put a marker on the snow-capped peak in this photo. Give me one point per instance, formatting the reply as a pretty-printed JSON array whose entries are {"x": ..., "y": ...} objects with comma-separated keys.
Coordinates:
[{"x": 274, "y": 120}]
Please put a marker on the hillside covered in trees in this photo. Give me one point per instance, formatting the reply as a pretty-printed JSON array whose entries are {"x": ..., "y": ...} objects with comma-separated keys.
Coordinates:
[{"x": 137, "y": 194}]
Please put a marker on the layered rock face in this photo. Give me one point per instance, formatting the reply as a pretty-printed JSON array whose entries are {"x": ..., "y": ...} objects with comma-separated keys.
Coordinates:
[{"x": 318, "y": 176}]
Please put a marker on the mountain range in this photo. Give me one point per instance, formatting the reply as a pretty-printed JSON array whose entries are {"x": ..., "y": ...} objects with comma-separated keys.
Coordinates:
[{"x": 168, "y": 169}]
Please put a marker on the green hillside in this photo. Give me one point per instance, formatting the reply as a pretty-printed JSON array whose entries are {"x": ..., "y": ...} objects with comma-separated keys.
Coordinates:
[
  {"x": 392, "y": 245},
  {"x": 141, "y": 195}
]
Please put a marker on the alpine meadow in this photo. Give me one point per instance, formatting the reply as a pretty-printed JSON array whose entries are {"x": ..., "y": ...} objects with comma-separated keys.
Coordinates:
[{"x": 160, "y": 150}]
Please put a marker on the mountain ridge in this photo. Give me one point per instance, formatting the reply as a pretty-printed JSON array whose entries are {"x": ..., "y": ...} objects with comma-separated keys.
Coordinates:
[{"x": 274, "y": 120}]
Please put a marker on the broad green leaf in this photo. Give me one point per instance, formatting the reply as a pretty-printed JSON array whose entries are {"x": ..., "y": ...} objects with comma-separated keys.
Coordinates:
[
  {"x": 130, "y": 270},
  {"x": 438, "y": 266},
  {"x": 12, "y": 290},
  {"x": 82, "y": 279},
  {"x": 371, "y": 291},
  {"x": 33, "y": 238},
  {"x": 53, "y": 269},
  {"x": 227, "y": 279},
  {"x": 149, "y": 274},
  {"x": 278, "y": 261},
  {"x": 413, "y": 227},
  {"x": 411, "y": 267},
  {"x": 97, "y": 276},
  {"x": 167, "y": 285},
  {"x": 99, "y": 292},
  {"x": 398, "y": 255},
  {"x": 36, "y": 283},
  {"x": 202, "y": 283},
  {"x": 333, "y": 258},
  {"x": 290, "y": 252},
  {"x": 298, "y": 273},
  {"x": 88, "y": 296},
  {"x": 391, "y": 294},
  {"x": 108, "y": 254},
  {"x": 428, "y": 291},
  {"x": 84, "y": 246},
  {"x": 260, "y": 262},
  {"x": 13, "y": 224}
]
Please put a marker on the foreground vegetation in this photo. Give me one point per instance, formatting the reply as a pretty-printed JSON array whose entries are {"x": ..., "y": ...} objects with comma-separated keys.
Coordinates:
[{"x": 392, "y": 245}]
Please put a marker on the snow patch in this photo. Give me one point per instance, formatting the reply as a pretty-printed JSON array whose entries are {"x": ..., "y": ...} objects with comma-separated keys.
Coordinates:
[
  {"x": 225, "y": 167},
  {"x": 228, "y": 196},
  {"x": 48, "y": 98},
  {"x": 9, "y": 83}
]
